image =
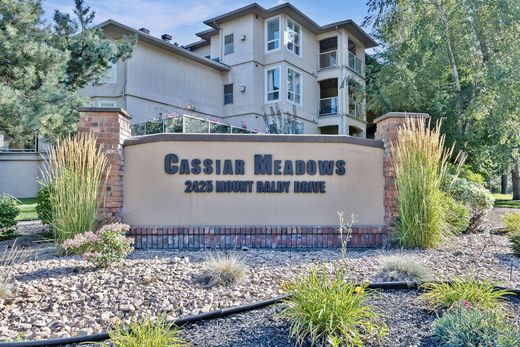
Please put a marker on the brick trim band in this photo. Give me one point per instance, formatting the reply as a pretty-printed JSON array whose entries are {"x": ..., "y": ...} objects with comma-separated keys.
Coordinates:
[{"x": 234, "y": 237}]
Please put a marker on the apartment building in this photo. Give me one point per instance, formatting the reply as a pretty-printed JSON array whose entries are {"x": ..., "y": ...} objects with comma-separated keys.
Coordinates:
[{"x": 250, "y": 65}]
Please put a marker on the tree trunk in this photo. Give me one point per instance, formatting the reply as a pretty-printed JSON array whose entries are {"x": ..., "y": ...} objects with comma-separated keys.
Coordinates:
[
  {"x": 515, "y": 178},
  {"x": 503, "y": 187},
  {"x": 443, "y": 18}
]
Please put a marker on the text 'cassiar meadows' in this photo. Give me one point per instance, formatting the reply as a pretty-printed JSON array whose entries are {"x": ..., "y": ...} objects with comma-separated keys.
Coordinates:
[{"x": 264, "y": 164}]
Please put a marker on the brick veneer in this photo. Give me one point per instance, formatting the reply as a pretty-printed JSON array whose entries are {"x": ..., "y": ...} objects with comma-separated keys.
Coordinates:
[
  {"x": 229, "y": 237},
  {"x": 111, "y": 127},
  {"x": 387, "y": 130}
]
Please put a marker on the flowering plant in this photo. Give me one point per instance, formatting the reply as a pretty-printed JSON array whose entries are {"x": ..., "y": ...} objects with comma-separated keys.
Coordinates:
[{"x": 103, "y": 247}]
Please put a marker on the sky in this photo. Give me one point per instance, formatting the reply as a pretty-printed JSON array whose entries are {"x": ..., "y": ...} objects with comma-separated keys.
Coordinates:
[{"x": 183, "y": 18}]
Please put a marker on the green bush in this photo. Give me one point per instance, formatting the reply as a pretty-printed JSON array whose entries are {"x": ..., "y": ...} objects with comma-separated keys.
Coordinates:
[
  {"x": 466, "y": 326},
  {"x": 515, "y": 243},
  {"x": 420, "y": 162},
  {"x": 102, "y": 248},
  {"x": 456, "y": 216},
  {"x": 475, "y": 197},
  {"x": 43, "y": 206},
  {"x": 146, "y": 333},
  {"x": 512, "y": 222},
  {"x": 8, "y": 212},
  {"x": 443, "y": 295},
  {"x": 327, "y": 310}
]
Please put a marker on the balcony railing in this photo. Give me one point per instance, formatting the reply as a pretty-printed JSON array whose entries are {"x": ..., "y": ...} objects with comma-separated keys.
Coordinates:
[
  {"x": 188, "y": 125},
  {"x": 354, "y": 63},
  {"x": 328, "y": 106},
  {"x": 355, "y": 108},
  {"x": 328, "y": 59}
]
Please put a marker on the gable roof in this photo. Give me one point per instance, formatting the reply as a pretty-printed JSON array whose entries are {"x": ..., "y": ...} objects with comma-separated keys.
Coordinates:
[
  {"x": 116, "y": 30},
  {"x": 296, "y": 14}
]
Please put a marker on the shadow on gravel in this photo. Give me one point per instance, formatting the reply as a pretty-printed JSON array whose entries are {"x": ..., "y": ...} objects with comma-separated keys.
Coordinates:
[{"x": 54, "y": 273}]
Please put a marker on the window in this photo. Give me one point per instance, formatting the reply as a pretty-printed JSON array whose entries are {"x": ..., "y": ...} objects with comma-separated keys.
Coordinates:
[
  {"x": 110, "y": 76},
  {"x": 228, "y": 94},
  {"x": 273, "y": 84},
  {"x": 293, "y": 36},
  {"x": 273, "y": 34},
  {"x": 107, "y": 103},
  {"x": 294, "y": 86},
  {"x": 228, "y": 44}
]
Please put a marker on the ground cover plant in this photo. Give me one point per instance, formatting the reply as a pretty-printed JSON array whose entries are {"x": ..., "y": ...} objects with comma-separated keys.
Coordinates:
[
  {"x": 512, "y": 222},
  {"x": 222, "y": 270},
  {"x": 75, "y": 174},
  {"x": 27, "y": 209},
  {"x": 400, "y": 268},
  {"x": 421, "y": 165},
  {"x": 103, "y": 247},
  {"x": 466, "y": 325},
  {"x": 9, "y": 210},
  {"x": 146, "y": 333},
  {"x": 445, "y": 295}
]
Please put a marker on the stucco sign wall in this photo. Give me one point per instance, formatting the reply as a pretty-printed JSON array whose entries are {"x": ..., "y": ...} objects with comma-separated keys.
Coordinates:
[{"x": 194, "y": 180}]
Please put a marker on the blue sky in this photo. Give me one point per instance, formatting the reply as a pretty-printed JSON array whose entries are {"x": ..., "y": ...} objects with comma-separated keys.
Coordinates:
[{"x": 183, "y": 18}]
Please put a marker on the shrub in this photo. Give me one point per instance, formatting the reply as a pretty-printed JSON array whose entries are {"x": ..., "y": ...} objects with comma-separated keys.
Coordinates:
[
  {"x": 515, "y": 243},
  {"x": 146, "y": 333},
  {"x": 466, "y": 325},
  {"x": 404, "y": 269},
  {"x": 512, "y": 222},
  {"x": 420, "y": 161},
  {"x": 75, "y": 173},
  {"x": 103, "y": 247},
  {"x": 44, "y": 207},
  {"x": 222, "y": 270},
  {"x": 8, "y": 261},
  {"x": 327, "y": 310},
  {"x": 456, "y": 216},
  {"x": 443, "y": 295},
  {"x": 8, "y": 212},
  {"x": 476, "y": 198}
]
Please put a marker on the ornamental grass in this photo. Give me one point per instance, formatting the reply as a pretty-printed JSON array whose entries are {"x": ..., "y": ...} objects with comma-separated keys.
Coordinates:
[
  {"x": 76, "y": 173},
  {"x": 421, "y": 164}
]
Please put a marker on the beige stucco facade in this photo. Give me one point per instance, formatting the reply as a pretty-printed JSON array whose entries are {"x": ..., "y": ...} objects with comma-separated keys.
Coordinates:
[
  {"x": 154, "y": 197},
  {"x": 163, "y": 78}
]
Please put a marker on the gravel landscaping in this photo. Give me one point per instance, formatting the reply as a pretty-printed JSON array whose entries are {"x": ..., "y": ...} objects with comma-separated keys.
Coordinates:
[{"x": 64, "y": 296}]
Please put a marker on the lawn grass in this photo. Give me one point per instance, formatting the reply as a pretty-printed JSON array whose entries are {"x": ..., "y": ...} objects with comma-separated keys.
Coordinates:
[
  {"x": 506, "y": 200},
  {"x": 27, "y": 209}
]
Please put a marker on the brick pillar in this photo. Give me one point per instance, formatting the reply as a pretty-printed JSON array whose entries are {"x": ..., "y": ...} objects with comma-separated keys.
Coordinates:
[
  {"x": 111, "y": 127},
  {"x": 387, "y": 126}
]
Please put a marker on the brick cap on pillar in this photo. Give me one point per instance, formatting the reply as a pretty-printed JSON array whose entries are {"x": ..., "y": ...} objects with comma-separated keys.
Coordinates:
[
  {"x": 401, "y": 115},
  {"x": 122, "y": 111}
]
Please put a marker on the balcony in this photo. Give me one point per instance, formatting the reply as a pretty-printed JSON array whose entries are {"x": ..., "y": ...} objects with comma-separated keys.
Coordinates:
[
  {"x": 354, "y": 63},
  {"x": 355, "y": 109},
  {"x": 328, "y": 59},
  {"x": 328, "y": 106}
]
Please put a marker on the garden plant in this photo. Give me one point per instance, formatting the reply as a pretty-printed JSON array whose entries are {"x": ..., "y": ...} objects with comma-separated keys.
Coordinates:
[
  {"x": 222, "y": 270},
  {"x": 512, "y": 222},
  {"x": 421, "y": 165},
  {"x": 103, "y": 247},
  {"x": 8, "y": 212},
  {"x": 75, "y": 176}
]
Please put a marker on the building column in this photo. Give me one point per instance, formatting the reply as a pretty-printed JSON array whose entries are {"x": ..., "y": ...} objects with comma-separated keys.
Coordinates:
[
  {"x": 111, "y": 126},
  {"x": 387, "y": 127}
]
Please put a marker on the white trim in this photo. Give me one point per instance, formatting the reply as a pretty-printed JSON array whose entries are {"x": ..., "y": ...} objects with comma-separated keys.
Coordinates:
[
  {"x": 300, "y": 37},
  {"x": 287, "y": 85},
  {"x": 280, "y": 91},
  {"x": 280, "y": 36}
]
